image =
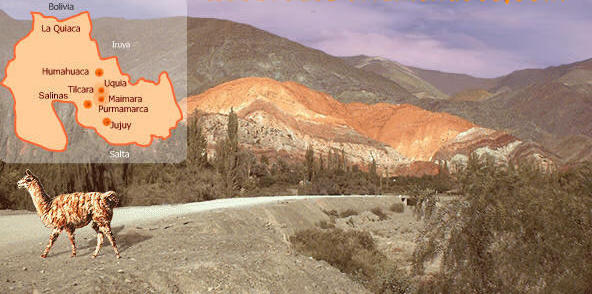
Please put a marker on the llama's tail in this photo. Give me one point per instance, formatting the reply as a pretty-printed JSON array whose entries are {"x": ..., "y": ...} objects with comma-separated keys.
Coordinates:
[{"x": 109, "y": 199}]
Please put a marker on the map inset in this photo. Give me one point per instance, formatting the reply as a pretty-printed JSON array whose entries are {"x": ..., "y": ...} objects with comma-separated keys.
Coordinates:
[
  {"x": 87, "y": 83},
  {"x": 58, "y": 61}
]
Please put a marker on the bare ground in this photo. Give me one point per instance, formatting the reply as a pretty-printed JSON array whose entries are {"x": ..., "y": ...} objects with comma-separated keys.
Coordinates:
[{"x": 227, "y": 250}]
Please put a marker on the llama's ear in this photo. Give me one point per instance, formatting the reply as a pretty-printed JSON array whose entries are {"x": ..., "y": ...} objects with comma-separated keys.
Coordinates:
[{"x": 28, "y": 172}]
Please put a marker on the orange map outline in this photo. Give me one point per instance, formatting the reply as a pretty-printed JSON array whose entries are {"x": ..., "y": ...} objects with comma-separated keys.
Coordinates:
[{"x": 71, "y": 102}]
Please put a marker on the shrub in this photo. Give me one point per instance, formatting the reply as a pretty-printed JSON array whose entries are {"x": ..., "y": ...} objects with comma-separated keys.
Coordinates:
[
  {"x": 354, "y": 253},
  {"x": 331, "y": 212},
  {"x": 266, "y": 181},
  {"x": 326, "y": 225},
  {"x": 513, "y": 230},
  {"x": 397, "y": 207},
  {"x": 425, "y": 203},
  {"x": 348, "y": 212},
  {"x": 411, "y": 201},
  {"x": 378, "y": 211}
]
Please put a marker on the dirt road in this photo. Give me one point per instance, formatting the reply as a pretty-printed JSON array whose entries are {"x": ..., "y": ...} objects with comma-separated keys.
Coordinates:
[{"x": 235, "y": 245}]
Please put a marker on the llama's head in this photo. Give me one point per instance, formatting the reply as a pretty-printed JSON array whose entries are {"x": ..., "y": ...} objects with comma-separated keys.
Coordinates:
[{"x": 27, "y": 180}]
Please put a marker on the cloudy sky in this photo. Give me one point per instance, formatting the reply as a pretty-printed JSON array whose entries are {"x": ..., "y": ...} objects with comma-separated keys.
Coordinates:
[{"x": 480, "y": 38}]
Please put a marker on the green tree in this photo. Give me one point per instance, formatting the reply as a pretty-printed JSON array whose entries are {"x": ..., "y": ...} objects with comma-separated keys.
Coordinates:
[
  {"x": 309, "y": 162},
  {"x": 227, "y": 157},
  {"x": 197, "y": 153},
  {"x": 232, "y": 131},
  {"x": 372, "y": 170},
  {"x": 343, "y": 161},
  {"x": 330, "y": 162},
  {"x": 339, "y": 160}
]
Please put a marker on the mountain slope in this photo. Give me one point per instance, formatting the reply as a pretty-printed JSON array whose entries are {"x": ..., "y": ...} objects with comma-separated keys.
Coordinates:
[
  {"x": 558, "y": 104},
  {"x": 452, "y": 83},
  {"x": 288, "y": 117},
  {"x": 220, "y": 51},
  {"x": 415, "y": 133},
  {"x": 544, "y": 105},
  {"x": 574, "y": 148},
  {"x": 471, "y": 95},
  {"x": 397, "y": 73},
  {"x": 229, "y": 50},
  {"x": 523, "y": 78}
]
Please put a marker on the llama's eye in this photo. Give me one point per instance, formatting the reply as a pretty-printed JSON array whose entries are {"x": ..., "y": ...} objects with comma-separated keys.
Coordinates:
[{"x": 28, "y": 180}]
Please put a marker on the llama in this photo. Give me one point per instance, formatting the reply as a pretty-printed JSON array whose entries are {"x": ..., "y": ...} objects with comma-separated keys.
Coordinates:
[{"x": 72, "y": 211}]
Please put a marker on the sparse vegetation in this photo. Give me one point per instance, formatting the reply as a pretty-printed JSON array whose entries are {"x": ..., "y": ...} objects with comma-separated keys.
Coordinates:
[
  {"x": 331, "y": 213},
  {"x": 330, "y": 174},
  {"x": 378, "y": 212},
  {"x": 424, "y": 203},
  {"x": 354, "y": 253},
  {"x": 441, "y": 183},
  {"x": 509, "y": 230},
  {"x": 348, "y": 212},
  {"x": 397, "y": 207},
  {"x": 326, "y": 224},
  {"x": 513, "y": 230}
]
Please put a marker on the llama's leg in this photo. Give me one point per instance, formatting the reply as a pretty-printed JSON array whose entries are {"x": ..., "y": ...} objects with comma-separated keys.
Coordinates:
[
  {"x": 54, "y": 235},
  {"x": 72, "y": 240},
  {"x": 107, "y": 231},
  {"x": 99, "y": 239}
]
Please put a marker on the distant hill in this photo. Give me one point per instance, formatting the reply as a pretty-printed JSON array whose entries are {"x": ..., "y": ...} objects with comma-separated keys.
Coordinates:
[
  {"x": 452, "y": 83},
  {"x": 560, "y": 103},
  {"x": 398, "y": 73},
  {"x": 471, "y": 95},
  {"x": 574, "y": 148},
  {"x": 220, "y": 51},
  {"x": 544, "y": 105}
]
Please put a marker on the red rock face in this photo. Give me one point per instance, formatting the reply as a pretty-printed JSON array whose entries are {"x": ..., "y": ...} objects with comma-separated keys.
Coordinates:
[
  {"x": 416, "y": 133},
  {"x": 402, "y": 137}
]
